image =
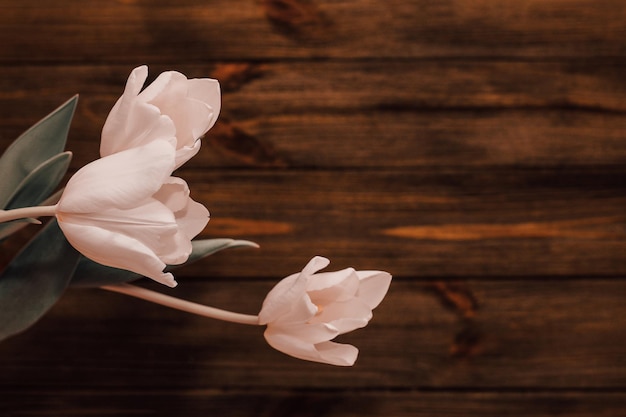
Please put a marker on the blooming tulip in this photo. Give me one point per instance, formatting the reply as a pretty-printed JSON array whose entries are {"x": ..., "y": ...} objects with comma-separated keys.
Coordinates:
[
  {"x": 126, "y": 211},
  {"x": 171, "y": 106},
  {"x": 304, "y": 311}
]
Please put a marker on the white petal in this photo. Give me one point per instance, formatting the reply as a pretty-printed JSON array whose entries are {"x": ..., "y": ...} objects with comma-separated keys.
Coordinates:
[
  {"x": 337, "y": 353},
  {"x": 309, "y": 333},
  {"x": 120, "y": 180},
  {"x": 206, "y": 90},
  {"x": 174, "y": 193},
  {"x": 185, "y": 153},
  {"x": 169, "y": 86},
  {"x": 281, "y": 299},
  {"x": 132, "y": 122},
  {"x": 373, "y": 287},
  {"x": 193, "y": 219},
  {"x": 314, "y": 265},
  {"x": 291, "y": 346},
  {"x": 328, "y": 287},
  {"x": 116, "y": 250},
  {"x": 345, "y": 316}
]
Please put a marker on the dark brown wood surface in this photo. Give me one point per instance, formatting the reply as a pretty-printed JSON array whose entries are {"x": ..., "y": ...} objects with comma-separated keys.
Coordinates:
[{"x": 474, "y": 149}]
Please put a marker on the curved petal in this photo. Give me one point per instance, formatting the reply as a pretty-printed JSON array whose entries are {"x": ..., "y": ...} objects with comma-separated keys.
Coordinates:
[
  {"x": 282, "y": 297},
  {"x": 291, "y": 346},
  {"x": 120, "y": 180},
  {"x": 207, "y": 90},
  {"x": 121, "y": 251},
  {"x": 174, "y": 193},
  {"x": 168, "y": 87},
  {"x": 185, "y": 153},
  {"x": 309, "y": 333},
  {"x": 325, "y": 352},
  {"x": 337, "y": 353},
  {"x": 329, "y": 287},
  {"x": 314, "y": 265},
  {"x": 346, "y": 316},
  {"x": 132, "y": 122},
  {"x": 374, "y": 286},
  {"x": 193, "y": 219}
]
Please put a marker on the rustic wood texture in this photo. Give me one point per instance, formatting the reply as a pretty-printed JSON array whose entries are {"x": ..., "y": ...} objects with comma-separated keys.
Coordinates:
[{"x": 474, "y": 149}]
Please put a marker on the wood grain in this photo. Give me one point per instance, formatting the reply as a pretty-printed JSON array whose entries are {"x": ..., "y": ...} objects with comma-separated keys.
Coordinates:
[
  {"x": 311, "y": 403},
  {"x": 494, "y": 223},
  {"x": 418, "y": 339},
  {"x": 397, "y": 114},
  {"x": 157, "y": 31},
  {"x": 475, "y": 149}
]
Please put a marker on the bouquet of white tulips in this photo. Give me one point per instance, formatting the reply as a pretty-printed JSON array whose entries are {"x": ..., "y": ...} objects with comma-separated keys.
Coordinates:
[{"x": 125, "y": 216}]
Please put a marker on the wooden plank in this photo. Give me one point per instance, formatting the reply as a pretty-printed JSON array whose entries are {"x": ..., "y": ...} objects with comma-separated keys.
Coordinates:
[
  {"x": 490, "y": 223},
  {"x": 510, "y": 335},
  {"x": 353, "y": 114},
  {"x": 193, "y": 30},
  {"x": 329, "y": 404},
  {"x": 458, "y": 223}
]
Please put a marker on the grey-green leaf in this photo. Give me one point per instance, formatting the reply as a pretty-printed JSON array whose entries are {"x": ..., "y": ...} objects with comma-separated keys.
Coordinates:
[
  {"x": 92, "y": 274},
  {"x": 35, "y": 279},
  {"x": 41, "y": 142},
  {"x": 205, "y": 247},
  {"x": 41, "y": 182}
]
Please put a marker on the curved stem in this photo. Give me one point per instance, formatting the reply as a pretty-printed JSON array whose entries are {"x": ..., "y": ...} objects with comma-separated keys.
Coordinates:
[
  {"x": 183, "y": 305},
  {"x": 27, "y": 212}
]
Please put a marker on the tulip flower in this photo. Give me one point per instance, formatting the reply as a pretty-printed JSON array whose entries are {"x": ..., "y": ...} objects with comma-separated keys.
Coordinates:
[
  {"x": 127, "y": 211},
  {"x": 304, "y": 311},
  {"x": 171, "y": 106}
]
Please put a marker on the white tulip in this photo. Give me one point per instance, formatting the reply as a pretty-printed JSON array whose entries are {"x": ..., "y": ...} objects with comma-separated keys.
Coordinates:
[{"x": 304, "y": 311}]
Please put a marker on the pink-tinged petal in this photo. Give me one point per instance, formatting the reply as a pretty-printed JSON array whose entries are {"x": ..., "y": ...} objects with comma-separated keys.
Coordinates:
[
  {"x": 282, "y": 297},
  {"x": 151, "y": 223},
  {"x": 185, "y": 153},
  {"x": 374, "y": 286},
  {"x": 345, "y": 316},
  {"x": 291, "y": 346},
  {"x": 168, "y": 87},
  {"x": 337, "y": 353},
  {"x": 121, "y": 180},
  {"x": 132, "y": 122},
  {"x": 199, "y": 117},
  {"x": 193, "y": 219},
  {"x": 314, "y": 265},
  {"x": 116, "y": 250},
  {"x": 142, "y": 124},
  {"x": 174, "y": 193},
  {"x": 169, "y": 93},
  {"x": 329, "y": 287},
  {"x": 207, "y": 90},
  {"x": 309, "y": 333}
]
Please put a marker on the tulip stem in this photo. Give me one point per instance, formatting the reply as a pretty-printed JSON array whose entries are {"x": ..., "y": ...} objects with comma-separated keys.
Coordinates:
[
  {"x": 27, "y": 213},
  {"x": 183, "y": 305}
]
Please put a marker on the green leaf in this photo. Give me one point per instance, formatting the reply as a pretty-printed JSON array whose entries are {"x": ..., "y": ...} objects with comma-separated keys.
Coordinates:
[
  {"x": 205, "y": 247},
  {"x": 92, "y": 274},
  {"x": 38, "y": 144},
  {"x": 35, "y": 280},
  {"x": 42, "y": 181}
]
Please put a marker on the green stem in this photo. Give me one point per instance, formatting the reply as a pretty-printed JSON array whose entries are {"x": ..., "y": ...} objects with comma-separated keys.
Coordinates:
[
  {"x": 183, "y": 305},
  {"x": 27, "y": 212}
]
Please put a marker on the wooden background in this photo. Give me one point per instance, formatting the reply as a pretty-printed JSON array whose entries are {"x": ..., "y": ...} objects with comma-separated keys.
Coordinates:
[{"x": 474, "y": 149}]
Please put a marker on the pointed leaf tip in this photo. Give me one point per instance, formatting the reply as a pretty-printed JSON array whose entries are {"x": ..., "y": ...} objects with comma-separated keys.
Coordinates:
[{"x": 41, "y": 142}]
